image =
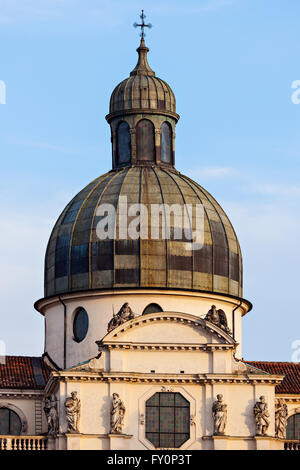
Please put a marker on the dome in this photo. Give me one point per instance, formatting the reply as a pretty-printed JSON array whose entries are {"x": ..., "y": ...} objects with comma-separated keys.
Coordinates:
[
  {"x": 143, "y": 91},
  {"x": 77, "y": 260}
]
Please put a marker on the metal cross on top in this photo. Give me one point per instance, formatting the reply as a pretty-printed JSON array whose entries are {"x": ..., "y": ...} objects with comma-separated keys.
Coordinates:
[{"x": 143, "y": 25}]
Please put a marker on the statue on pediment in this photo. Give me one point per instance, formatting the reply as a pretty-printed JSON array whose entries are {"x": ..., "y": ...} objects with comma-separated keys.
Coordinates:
[
  {"x": 281, "y": 415},
  {"x": 219, "y": 410},
  {"x": 218, "y": 318},
  {"x": 262, "y": 416},
  {"x": 73, "y": 409},
  {"x": 51, "y": 413},
  {"x": 124, "y": 314}
]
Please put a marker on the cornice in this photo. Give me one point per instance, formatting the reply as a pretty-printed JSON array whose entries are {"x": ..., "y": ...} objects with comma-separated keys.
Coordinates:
[
  {"x": 161, "y": 379},
  {"x": 27, "y": 394},
  {"x": 244, "y": 304},
  {"x": 111, "y": 345}
]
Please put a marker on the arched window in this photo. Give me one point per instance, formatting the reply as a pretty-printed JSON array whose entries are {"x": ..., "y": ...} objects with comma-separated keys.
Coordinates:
[
  {"x": 166, "y": 143},
  {"x": 152, "y": 308},
  {"x": 145, "y": 141},
  {"x": 167, "y": 420},
  {"x": 293, "y": 428},
  {"x": 10, "y": 423},
  {"x": 80, "y": 325},
  {"x": 123, "y": 143}
]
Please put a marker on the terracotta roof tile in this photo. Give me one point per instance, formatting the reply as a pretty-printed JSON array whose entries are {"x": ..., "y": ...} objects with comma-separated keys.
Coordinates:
[
  {"x": 291, "y": 371},
  {"x": 20, "y": 372}
]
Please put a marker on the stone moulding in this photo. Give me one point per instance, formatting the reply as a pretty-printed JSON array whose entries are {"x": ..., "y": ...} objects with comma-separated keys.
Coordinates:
[
  {"x": 169, "y": 347},
  {"x": 160, "y": 379},
  {"x": 170, "y": 317}
]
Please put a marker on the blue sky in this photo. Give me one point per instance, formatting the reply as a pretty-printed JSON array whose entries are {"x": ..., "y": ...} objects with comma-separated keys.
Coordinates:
[{"x": 231, "y": 64}]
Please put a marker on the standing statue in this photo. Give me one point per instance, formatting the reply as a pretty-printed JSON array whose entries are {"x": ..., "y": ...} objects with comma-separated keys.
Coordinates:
[
  {"x": 124, "y": 314},
  {"x": 117, "y": 414},
  {"x": 281, "y": 415},
  {"x": 219, "y": 410},
  {"x": 262, "y": 415},
  {"x": 218, "y": 318},
  {"x": 73, "y": 407},
  {"x": 50, "y": 409}
]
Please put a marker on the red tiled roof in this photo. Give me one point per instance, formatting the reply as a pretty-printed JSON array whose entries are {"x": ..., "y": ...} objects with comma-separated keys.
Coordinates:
[
  {"x": 291, "y": 371},
  {"x": 20, "y": 372}
]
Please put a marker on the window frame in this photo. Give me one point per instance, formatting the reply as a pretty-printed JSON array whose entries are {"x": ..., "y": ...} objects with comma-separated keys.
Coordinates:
[
  {"x": 149, "y": 305},
  {"x": 293, "y": 419},
  {"x": 168, "y": 125},
  {"x": 162, "y": 408},
  {"x": 142, "y": 416},
  {"x": 139, "y": 144},
  {"x": 19, "y": 413},
  {"x": 74, "y": 317},
  {"x": 117, "y": 144}
]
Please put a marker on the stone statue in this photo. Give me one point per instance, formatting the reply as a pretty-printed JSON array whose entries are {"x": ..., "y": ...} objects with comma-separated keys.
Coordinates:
[
  {"x": 124, "y": 314},
  {"x": 219, "y": 410},
  {"x": 50, "y": 409},
  {"x": 117, "y": 414},
  {"x": 73, "y": 407},
  {"x": 262, "y": 415},
  {"x": 218, "y": 318},
  {"x": 281, "y": 415}
]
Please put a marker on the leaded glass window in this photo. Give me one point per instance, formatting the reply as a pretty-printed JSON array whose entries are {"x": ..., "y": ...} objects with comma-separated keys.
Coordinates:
[
  {"x": 124, "y": 143},
  {"x": 166, "y": 143},
  {"x": 167, "y": 420},
  {"x": 145, "y": 141},
  {"x": 10, "y": 423},
  {"x": 293, "y": 428}
]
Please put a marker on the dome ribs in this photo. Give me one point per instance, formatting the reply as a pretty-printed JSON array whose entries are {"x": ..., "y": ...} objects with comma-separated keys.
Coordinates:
[
  {"x": 101, "y": 252},
  {"x": 185, "y": 263},
  {"x": 152, "y": 251},
  {"x": 80, "y": 238},
  {"x": 126, "y": 251}
]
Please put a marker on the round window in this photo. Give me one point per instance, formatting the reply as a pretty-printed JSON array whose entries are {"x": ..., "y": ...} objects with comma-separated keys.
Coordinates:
[{"x": 80, "y": 325}]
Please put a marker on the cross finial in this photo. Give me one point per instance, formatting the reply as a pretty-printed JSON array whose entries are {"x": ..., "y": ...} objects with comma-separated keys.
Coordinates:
[{"x": 143, "y": 25}]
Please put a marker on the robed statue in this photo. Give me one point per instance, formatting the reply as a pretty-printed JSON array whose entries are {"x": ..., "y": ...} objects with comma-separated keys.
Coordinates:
[
  {"x": 219, "y": 410},
  {"x": 117, "y": 414},
  {"x": 124, "y": 314},
  {"x": 262, "y": 416},
  {"x": 73, "y": 408},
  {"x": 281, "y": 415}
]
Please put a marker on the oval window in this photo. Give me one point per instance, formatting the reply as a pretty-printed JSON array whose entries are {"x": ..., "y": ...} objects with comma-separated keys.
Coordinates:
[{"x": 80, "y": 325}]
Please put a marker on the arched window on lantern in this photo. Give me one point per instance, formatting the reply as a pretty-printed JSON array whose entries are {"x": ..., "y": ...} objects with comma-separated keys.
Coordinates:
[
  {"x": 166, "y": 143},
  {"x": 123, "y": 143},
  {"x": 145, "y": 141}
]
